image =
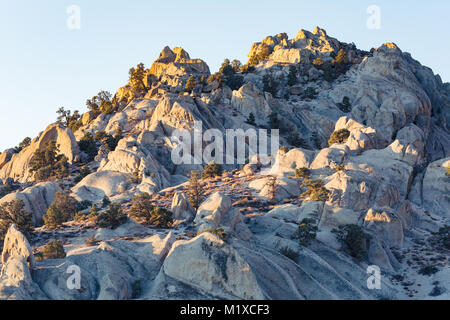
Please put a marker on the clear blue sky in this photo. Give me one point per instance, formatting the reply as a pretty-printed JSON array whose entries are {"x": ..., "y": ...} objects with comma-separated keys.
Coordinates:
[{"x": 44, "y": 65}]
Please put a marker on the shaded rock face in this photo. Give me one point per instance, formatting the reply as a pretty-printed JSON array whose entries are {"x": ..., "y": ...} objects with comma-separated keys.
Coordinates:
[{"x": 18, "y": 166}]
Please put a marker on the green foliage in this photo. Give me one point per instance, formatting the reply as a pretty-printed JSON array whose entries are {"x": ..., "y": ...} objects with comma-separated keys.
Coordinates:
[
  {"x": 84, "y": 172},
  {"x": 212, "y": 170},
  {"x": 345, "y": 106},
  {"x": 105, "y": 202},
  {"x": 247, "y": 68},
  {"x": 190, "y": 84},
  {"x": 62, "y": 209},
  {"x": 316, "y": 190},
  {"x": 340, "y": 167},
  {"x": 251, "y": 119},
  {"x": 52, "y": 250},
  {"x": 14, "y": 212},
  {"x": 218, "y": 76},
  {"x": 136, "y": 177},
  {"x": 46, "y": 163},
  {"x": 137, "y": 76},
  {"x": 339, "y": 136},
  {"x": 292, "y": 76},
  {"x": 195, "y": 191},
  {"x": 354, "y": 240},
  {"x": 25, "y": 143},
  {"x": 66, "y": 118},
  {"x": 112, "y": 217},
  {"x": 289, "y": 253},
  {"x": 262, "y": 54},
  {"x": 302, "y": 173},
  {"x": 87, "y": 144},
  {"x": 219, "y": 232},
  {"x": 101, "y": 103},
  {"x": 143, "y": 209},
  {"x": 109, "y": 140},
  {"x": 307, "y": 231}
]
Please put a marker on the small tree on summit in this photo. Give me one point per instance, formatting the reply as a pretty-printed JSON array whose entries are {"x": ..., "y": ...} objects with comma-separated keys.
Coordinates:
[{"x": 137, "y": 76}]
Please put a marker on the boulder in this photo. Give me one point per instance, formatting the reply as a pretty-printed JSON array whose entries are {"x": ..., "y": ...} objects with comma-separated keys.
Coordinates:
[
  {"x": 18, "y": 167},
  {"x": 181, "y": 207},
  {"x": 436, "y": 188},
  {"x": 37, "y": 199},
  {"x": 15, "y": 244},
  {"x": 209, "y": 264}
]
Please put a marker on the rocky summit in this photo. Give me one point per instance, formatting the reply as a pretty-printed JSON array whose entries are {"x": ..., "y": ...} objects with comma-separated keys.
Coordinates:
[{"x": 354, "y": 204}]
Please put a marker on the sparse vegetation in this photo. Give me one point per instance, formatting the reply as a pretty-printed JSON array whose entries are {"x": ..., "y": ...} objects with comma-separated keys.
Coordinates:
[
  {"x": 354, "y": 240},
  {"x": 136, "y": 177},
  {"x": 112, "y": 217},
  {"x": 307, "y": 231},
  {"x": 289, "y": 253},
  {"x": 316, "y": 190},
  {"x": 219, "y": 232},
  {"x": 137, "y": 76},
  {"x": 25, "y": 143},
  {"x": 52, "y": 250},
  {"x": 69, "y": 120},
  {"x": 212, "y": 170},
  {"x": 190, "y": 84},
  {"x": 46, "y": 163},
  {"x": 143, "y": 209},
  {"x": 262, "y": 54},
  {"x": 84, "y": 172},
  {"x": 302, "y": 173},
  {"x": 195, "y": 191},
  {"x": 14, "y": 212},
  {"x": 101, "y": 103},
  {"x": 345, "y": 106},
  {"x": 87, "y": 145},
  {"x": 62, "y": 209},
  {"x": 339, "y": 136},
  {"x": 251, "y": 119},
  {"x": 447, "y": 171}
]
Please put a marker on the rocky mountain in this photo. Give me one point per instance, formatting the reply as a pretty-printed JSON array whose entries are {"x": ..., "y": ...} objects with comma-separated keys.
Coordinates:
[{"x": 361, "y": 180}]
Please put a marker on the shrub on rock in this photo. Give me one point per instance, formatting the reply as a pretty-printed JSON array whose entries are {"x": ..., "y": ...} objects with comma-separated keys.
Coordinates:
[
  {"x": 143, "y": 209},
  {"x": 307, "y": 231},
  {"x": 52, "y": 250},
  {"x": 14, "y": 212},
  {"x": 46, "y": 163},
  {"x": 354, "y": 240},
  {"x": 339, "y": 136},
  {"x": 112, "y": 217},
  {"x": 316, "y": 190},
  {"x": 212, "y": 170}
]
